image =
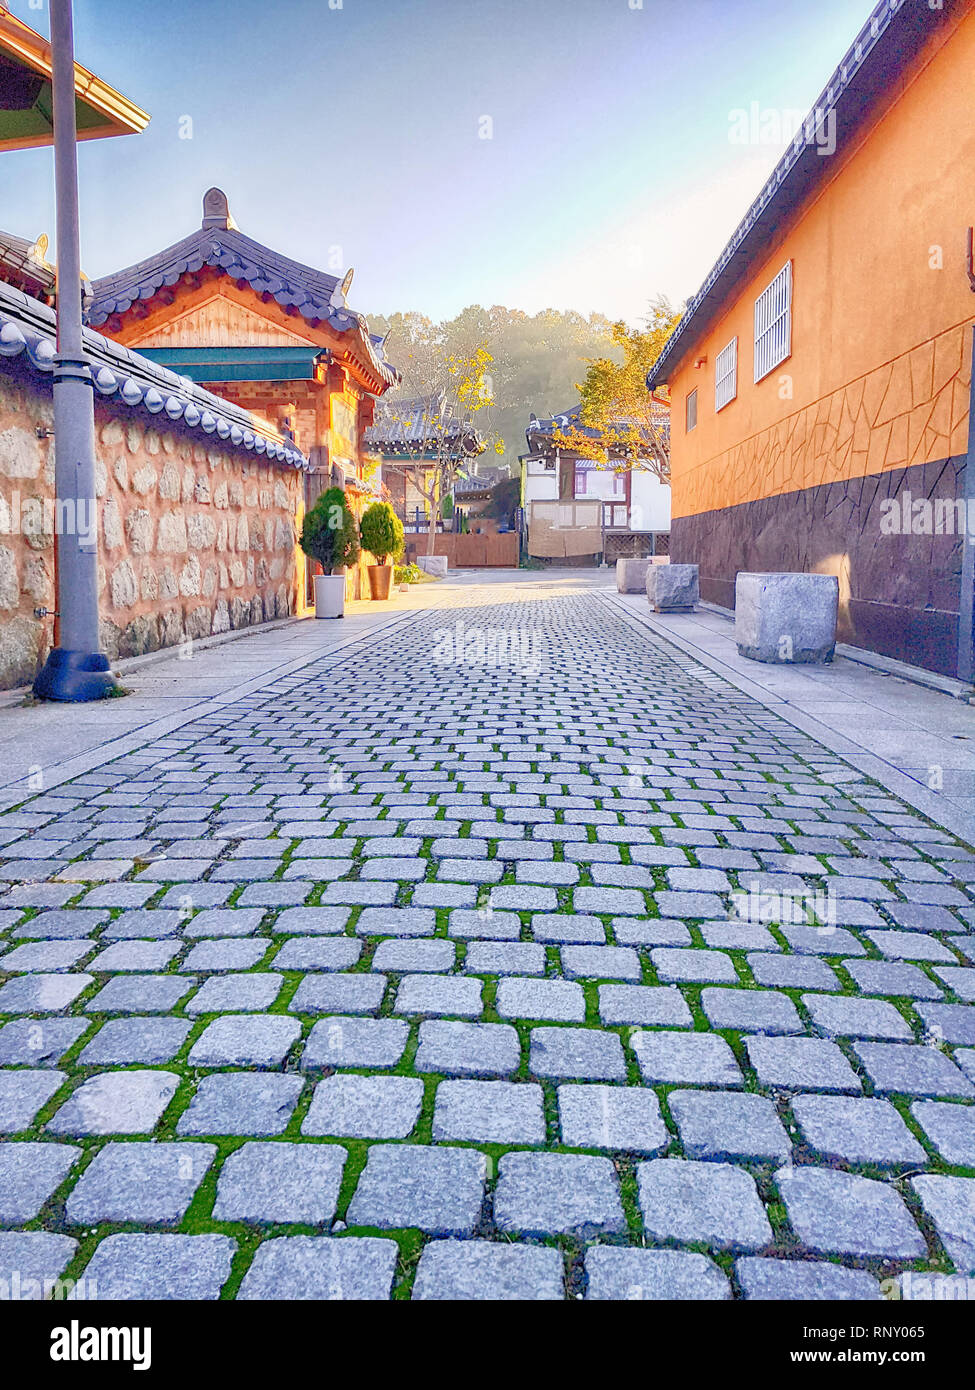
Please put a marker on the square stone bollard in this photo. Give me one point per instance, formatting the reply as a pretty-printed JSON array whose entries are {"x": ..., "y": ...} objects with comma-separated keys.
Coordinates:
[
  {"x": 435, "y": 565},
  {"x": 786, "y": 619},
  {"x": 673, "y": 588},
  {"x": 631, "y": 576}
]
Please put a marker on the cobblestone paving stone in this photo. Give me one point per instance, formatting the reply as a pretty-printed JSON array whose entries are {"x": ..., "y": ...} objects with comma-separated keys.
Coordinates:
[{"x": 580, "y": 977}]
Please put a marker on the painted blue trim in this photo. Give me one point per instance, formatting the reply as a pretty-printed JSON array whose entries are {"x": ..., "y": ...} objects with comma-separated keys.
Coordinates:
[{"x": 239, "y": 364}]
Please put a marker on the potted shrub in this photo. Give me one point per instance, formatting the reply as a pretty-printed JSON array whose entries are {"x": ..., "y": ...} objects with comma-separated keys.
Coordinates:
[
  {"x": 381, "y": 532},
  {"x": 330, "y": 536}
]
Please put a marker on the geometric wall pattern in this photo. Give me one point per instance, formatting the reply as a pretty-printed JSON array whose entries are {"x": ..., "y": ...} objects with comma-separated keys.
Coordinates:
[{"x": 909, "y": 411}]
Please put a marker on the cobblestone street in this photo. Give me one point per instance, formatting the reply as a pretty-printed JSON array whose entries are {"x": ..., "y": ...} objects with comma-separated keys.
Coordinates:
[{"x": 510, "y": 954}]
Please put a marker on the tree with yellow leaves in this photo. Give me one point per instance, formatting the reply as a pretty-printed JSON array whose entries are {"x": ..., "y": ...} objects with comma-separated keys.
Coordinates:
[
  {"x": 623, "y": 426},
  {"x": 466, "y": 394},
  {"x": 450, "y": 424}
]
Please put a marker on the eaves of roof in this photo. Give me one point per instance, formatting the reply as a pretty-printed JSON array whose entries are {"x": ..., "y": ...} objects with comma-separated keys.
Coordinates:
[
  {"x": 28, "y": 331},
  {"x": 315, "y": 296},
  {"x": 23, "y": 263},
  {"x": 101, "y": 110},
  {"x": 885, "y": 46},
  {"x": 572, "y": 420}
]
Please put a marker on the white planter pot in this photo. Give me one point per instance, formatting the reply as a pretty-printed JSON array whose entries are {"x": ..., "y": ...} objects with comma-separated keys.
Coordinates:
[{"x": 330, "y": 596}]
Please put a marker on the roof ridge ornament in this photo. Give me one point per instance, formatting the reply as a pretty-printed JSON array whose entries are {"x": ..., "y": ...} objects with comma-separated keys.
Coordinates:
[
  {"x": 38, "y": 252},
  {"x": 338, "y": 296},
  {"x": 216, "y": 211}
]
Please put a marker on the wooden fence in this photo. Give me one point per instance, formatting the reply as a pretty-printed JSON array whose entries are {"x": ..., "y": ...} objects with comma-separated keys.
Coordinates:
[{"x": 470, "y": 551}]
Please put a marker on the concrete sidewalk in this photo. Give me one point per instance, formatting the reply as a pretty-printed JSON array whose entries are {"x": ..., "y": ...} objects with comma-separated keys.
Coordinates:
[{"x": 917, "y": 742}]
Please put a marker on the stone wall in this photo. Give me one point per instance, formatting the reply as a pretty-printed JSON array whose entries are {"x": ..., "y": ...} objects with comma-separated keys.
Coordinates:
[
  {"x": 26, "y": 553},
  {"x": 899, "y": 593},
  {"x": 194, "y": 537}
]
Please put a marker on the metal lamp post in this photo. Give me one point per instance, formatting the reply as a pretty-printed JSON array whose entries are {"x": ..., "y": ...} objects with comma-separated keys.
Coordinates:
[{"x": 75, "y": 669}]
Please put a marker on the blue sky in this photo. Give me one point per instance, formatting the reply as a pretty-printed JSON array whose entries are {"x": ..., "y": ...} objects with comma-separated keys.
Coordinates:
[{"x": 353, "y": 133}]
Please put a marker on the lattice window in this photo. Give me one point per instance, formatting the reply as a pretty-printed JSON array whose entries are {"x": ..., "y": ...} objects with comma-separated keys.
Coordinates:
[
  {"x": 726, "y": 375},
  {"x": 773, "y": 323}
]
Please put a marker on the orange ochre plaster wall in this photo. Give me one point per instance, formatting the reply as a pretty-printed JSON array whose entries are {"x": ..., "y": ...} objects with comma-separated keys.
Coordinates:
[{"x": 881, "y": 359}]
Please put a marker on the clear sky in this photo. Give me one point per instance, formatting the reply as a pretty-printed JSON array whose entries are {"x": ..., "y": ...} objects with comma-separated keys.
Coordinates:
[{"x": 355, "y": 124}]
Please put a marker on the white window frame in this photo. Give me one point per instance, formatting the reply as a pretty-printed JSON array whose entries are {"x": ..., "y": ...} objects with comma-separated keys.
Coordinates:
[
  {"x": 773, "y": 324},
  {"x": 582, "y": 476},
  {"x": 726, "y": 375},
  {"x": 687, "y": 410}
]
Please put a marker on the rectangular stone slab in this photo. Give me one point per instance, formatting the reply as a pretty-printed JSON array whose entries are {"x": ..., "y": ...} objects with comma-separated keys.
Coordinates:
[
  {"x": 786, "y": 619},
  {"x": 435, "y": 565},
  {"x": 673, "y": 588},
  {"x": 631, "y": 576}
]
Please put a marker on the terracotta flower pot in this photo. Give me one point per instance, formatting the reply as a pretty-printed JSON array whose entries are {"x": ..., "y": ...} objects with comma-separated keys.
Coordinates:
[{"x": 380, "y": 580}]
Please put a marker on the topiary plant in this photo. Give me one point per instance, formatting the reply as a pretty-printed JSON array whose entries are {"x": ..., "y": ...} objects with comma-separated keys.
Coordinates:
[
  {"x": 382, "y": 532},
  {"x": 329, "y": 533}
]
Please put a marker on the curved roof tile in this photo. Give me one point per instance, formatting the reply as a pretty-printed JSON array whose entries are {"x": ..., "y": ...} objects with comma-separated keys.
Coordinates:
[
  {"x": 28, "y": 329},
  {"x": 316, "y": 296}
]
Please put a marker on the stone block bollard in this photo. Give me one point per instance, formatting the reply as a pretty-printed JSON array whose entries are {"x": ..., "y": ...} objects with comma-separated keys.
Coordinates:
[
  {"x": 631, "y": 576},
  {"x": 435, "y": 565},
  {"x": 786, "y": 619},
  {"x": 673, "y": 588}
]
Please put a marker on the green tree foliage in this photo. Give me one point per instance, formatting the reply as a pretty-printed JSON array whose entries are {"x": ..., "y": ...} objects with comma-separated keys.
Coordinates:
[
  {"x": 382, "y": 532},
  {"x": 505, "y": 501},
  {"x": 630, "y": 424},
  {"x": 329, "y": 533},
  {"x": 537, "y": 360}
]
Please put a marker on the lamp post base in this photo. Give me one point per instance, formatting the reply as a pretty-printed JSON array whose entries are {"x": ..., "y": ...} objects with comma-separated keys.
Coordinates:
[{"x": 74, "y": 676}]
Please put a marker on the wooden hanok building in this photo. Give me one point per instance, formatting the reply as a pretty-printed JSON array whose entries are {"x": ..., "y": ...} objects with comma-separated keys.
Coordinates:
[
  {"x": 272, "y": 335},
  {"x": 578, "y": 510},
  {"x": 411, "y": 438}
]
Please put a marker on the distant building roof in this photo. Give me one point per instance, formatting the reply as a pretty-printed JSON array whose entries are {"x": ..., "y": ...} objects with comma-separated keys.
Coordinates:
[
  {"x": 571, "y": 421},
  {"x": 413, "y": 427},
  {"x": 884, "y": 47},
  {"x": 23, "y": 265},
  {"x": 28, "y": 331},
  {"x": 312, "y": 294},
  {"x": 482, "y": 481}
]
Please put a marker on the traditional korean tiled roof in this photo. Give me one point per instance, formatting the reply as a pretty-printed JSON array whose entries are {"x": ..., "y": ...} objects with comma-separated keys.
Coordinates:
[
  {"x": 315, "y": 296},
  {"x": 405, "y": 426},
  {"x": 571, "y": 421},
  {"x": 883, "y": 49},
  {"x": 23, "y": 263},
  {"x": 28, "y": 330},
  {"x": 481, "y": 481}
]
